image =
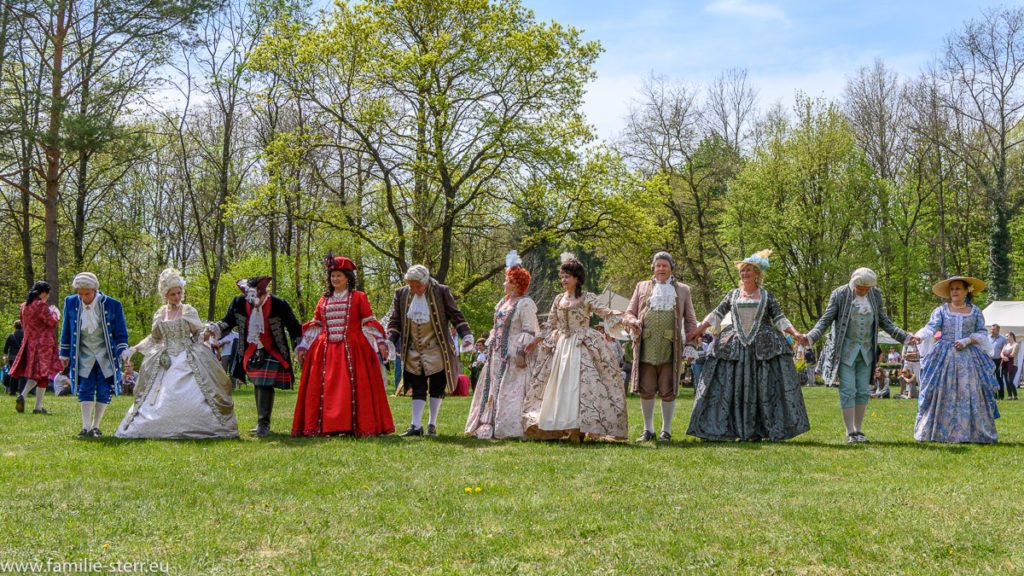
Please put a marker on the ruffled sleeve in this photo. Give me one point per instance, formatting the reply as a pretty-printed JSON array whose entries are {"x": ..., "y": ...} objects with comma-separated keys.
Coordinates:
[
  {"x": 980, "y": 336},
  {"x": 715, "y": 317},
  {"x": 311, "y": 330},
  {"x": 154, "y": 342},
  {"x": 191, "y": 316},
  {"x": 927, "y": 334},
  {"x": 526, "y": 317},
  {"x": 372, "y": 329}
]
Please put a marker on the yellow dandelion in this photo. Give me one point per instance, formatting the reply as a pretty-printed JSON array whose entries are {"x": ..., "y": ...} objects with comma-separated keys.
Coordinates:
[
  {"x": 365, "y": 486},
  {"x": 108, "y": 546},
  {"x": 516, "y": 467},
  {"x": 477, "y": 488},
  {"x": 468, "y": 490}
]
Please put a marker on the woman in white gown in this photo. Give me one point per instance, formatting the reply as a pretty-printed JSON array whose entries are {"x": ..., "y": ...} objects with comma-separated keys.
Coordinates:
[{"x": 182, "y": 391}]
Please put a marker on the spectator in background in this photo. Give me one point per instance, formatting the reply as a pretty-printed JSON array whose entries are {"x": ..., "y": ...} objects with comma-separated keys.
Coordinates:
[
  {"x": 908, "y": 384},
  {"x": 810, "y": 359},
  {"x": 995, "y": 353},
  {"x": 881, "y": 384},
  {"x": 226, "y": 347},
  {"x": 894, "y": 356},
  {"x": 11, "y": 348},
  {"x": 1008, "y": 365},
  {"x": 479, "y": 359}
]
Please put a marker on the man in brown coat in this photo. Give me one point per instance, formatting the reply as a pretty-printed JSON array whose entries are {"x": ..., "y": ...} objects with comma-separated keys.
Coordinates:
[
  {"x": 660, "y": 313},
  {"x": 418, "y": 327}
]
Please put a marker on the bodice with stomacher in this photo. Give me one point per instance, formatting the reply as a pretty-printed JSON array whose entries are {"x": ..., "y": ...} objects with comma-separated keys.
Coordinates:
[
  {"x": 336, "y": 316},
  {"x": 176, "y": 335}
]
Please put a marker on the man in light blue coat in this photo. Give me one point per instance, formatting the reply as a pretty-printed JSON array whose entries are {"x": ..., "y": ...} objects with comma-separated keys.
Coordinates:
[
  {"x": 855, "y": 313},
  {"x": 94, "y": 343}
]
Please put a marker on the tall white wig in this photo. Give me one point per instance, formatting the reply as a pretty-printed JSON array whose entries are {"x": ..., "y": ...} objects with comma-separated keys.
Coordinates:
[
  {"x": 864, "y": 277},
  {"x": 169, "y": 278}
]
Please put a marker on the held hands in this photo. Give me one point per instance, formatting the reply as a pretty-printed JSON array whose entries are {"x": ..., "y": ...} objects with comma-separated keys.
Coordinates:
[
  {"x": 533, "y": 344},
  {"x": 300, "y": 355},
  {"x": 383, "y": 349},
  {"x": 912, "y": 340},
  {"x": 698, "y": 331},
  {"x": 802, "y": 340},
  {"x": 962, "y": 343}
]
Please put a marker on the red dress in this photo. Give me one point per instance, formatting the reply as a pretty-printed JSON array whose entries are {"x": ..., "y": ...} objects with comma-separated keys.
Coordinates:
[
  {"x": 342, "y": 388},
  {"x": 38, "y": 358}
]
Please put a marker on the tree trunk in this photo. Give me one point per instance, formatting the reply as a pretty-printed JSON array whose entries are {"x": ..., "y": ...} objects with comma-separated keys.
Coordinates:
[{"x": 52, "y": 148}]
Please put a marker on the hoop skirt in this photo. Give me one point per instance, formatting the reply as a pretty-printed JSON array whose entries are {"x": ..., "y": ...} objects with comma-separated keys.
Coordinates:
[
  {"x": 342, "y": 388},
  {"x": 957, "y": 402},
  {"x": 497, "y": 408},
  {"x": 182, "y": 390},
  {"x": 749, "y": 388}
]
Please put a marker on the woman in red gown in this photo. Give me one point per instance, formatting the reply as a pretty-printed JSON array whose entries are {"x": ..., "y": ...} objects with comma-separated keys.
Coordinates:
[
  {"x": 342, "y": 388},
  {"x": 37, "y": 360}
]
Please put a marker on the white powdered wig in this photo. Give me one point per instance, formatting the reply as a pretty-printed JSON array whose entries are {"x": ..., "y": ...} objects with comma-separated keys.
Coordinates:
[
  {"x": 418, "y": 273},
  {"x": 86, "y": 280},
  {"x": 169, "y": 278},
  {"x": 864, "y": 277}
]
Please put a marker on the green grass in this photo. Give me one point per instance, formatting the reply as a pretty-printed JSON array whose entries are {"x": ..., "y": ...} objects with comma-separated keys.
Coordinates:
[{"x": 812, "y": 505}]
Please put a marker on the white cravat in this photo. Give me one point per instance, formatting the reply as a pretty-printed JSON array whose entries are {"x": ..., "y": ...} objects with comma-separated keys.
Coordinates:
[
  {"x": 90, "y": 319},
  {"x": 256, "y": 324},
  {"x": 663, "y": 297},
  {"x": 861, "y": 303},
  {"x": 419, "y": 311}
]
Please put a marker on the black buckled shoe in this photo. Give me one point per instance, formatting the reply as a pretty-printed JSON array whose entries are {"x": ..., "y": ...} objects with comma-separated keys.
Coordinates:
[
  {"x": 647, "y": 436},
  {"x": 412, "y": 431},
  {"x": 41, "y": 411},
  {"x": 95, "y": 433},
  {"x": 261, "y": 431},
  {"x": 665, "y": 436},
  {"x": 84, "y": 433},
  {"x": 431, "y": 430},
  {"x": 19, "y": 403}
]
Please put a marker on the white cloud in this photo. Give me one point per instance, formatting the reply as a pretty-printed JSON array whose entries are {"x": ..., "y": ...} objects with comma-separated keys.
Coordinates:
[{"x": 747, "y": 9}]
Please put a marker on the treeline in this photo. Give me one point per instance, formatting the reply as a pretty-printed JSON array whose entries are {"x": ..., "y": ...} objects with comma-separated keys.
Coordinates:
[{"x": 242, "y": 138}]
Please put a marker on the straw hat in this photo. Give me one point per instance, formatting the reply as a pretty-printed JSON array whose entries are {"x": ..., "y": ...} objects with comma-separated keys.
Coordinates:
[{"x": 974, "y": 286}]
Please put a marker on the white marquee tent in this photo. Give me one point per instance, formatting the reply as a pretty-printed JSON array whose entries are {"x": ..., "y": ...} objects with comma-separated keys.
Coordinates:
[{"x": 1009, "y": 316}]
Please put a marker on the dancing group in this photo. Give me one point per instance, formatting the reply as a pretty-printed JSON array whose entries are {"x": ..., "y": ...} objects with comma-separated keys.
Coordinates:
[{"x": 540, "y": 381}]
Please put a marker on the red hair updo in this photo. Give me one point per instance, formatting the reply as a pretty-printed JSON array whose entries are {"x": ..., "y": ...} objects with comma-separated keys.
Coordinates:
[{"x": 519, "y": 278}]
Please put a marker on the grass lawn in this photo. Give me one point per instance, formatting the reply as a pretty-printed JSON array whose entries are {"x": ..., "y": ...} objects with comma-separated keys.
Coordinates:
[{"x": 812, "y": 505}]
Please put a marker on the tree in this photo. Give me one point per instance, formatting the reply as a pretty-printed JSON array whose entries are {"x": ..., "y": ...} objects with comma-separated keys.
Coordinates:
[
  {"x": 64, "y": 34},
  {"x": 456, "y": 105},
  {"x": 802, "y": 194},
  {"x": 982, "y": 73}
]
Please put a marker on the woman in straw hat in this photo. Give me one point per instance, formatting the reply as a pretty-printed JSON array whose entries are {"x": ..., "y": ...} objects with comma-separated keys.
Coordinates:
[
  {"x": 749, "y": 388},
  {"x": 958, "y": 389}
]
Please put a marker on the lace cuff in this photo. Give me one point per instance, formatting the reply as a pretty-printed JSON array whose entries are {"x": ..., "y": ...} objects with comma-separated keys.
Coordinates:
[
  {"x": 308, "y": 336},
  {"x": 714, "y": 320},
  {"x": 783, "y": 324},
  {"x": 615, "y": 327}
]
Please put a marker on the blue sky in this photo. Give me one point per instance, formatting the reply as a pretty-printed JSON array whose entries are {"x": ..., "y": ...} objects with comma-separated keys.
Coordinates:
[{"x": 786, "y": 45}]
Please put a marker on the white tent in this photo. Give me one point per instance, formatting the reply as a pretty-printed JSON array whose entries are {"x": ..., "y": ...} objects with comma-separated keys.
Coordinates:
[
  {"x": 613, "y": 300},
  {"x": 1009, "y": 316}
]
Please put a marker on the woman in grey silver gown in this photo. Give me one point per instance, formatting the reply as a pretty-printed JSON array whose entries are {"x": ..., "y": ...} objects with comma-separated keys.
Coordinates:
[{"x": 749, "y": 388}]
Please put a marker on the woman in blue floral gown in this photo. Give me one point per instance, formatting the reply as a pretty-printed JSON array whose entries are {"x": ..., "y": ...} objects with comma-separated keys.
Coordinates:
[{"x": 957, "y": 401}]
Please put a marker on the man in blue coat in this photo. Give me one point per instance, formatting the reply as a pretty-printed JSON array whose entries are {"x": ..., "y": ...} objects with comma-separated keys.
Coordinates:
[{"x": 94, "y": 343}]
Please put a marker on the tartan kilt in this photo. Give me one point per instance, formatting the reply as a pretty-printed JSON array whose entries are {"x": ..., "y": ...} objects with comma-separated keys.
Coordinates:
[{"x": 271, "y": 373}]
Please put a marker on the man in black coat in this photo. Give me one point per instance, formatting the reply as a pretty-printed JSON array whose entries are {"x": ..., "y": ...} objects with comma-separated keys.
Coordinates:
[
  {"x": 267, "y": 332},
  {"x": 11, "y": 348}
]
